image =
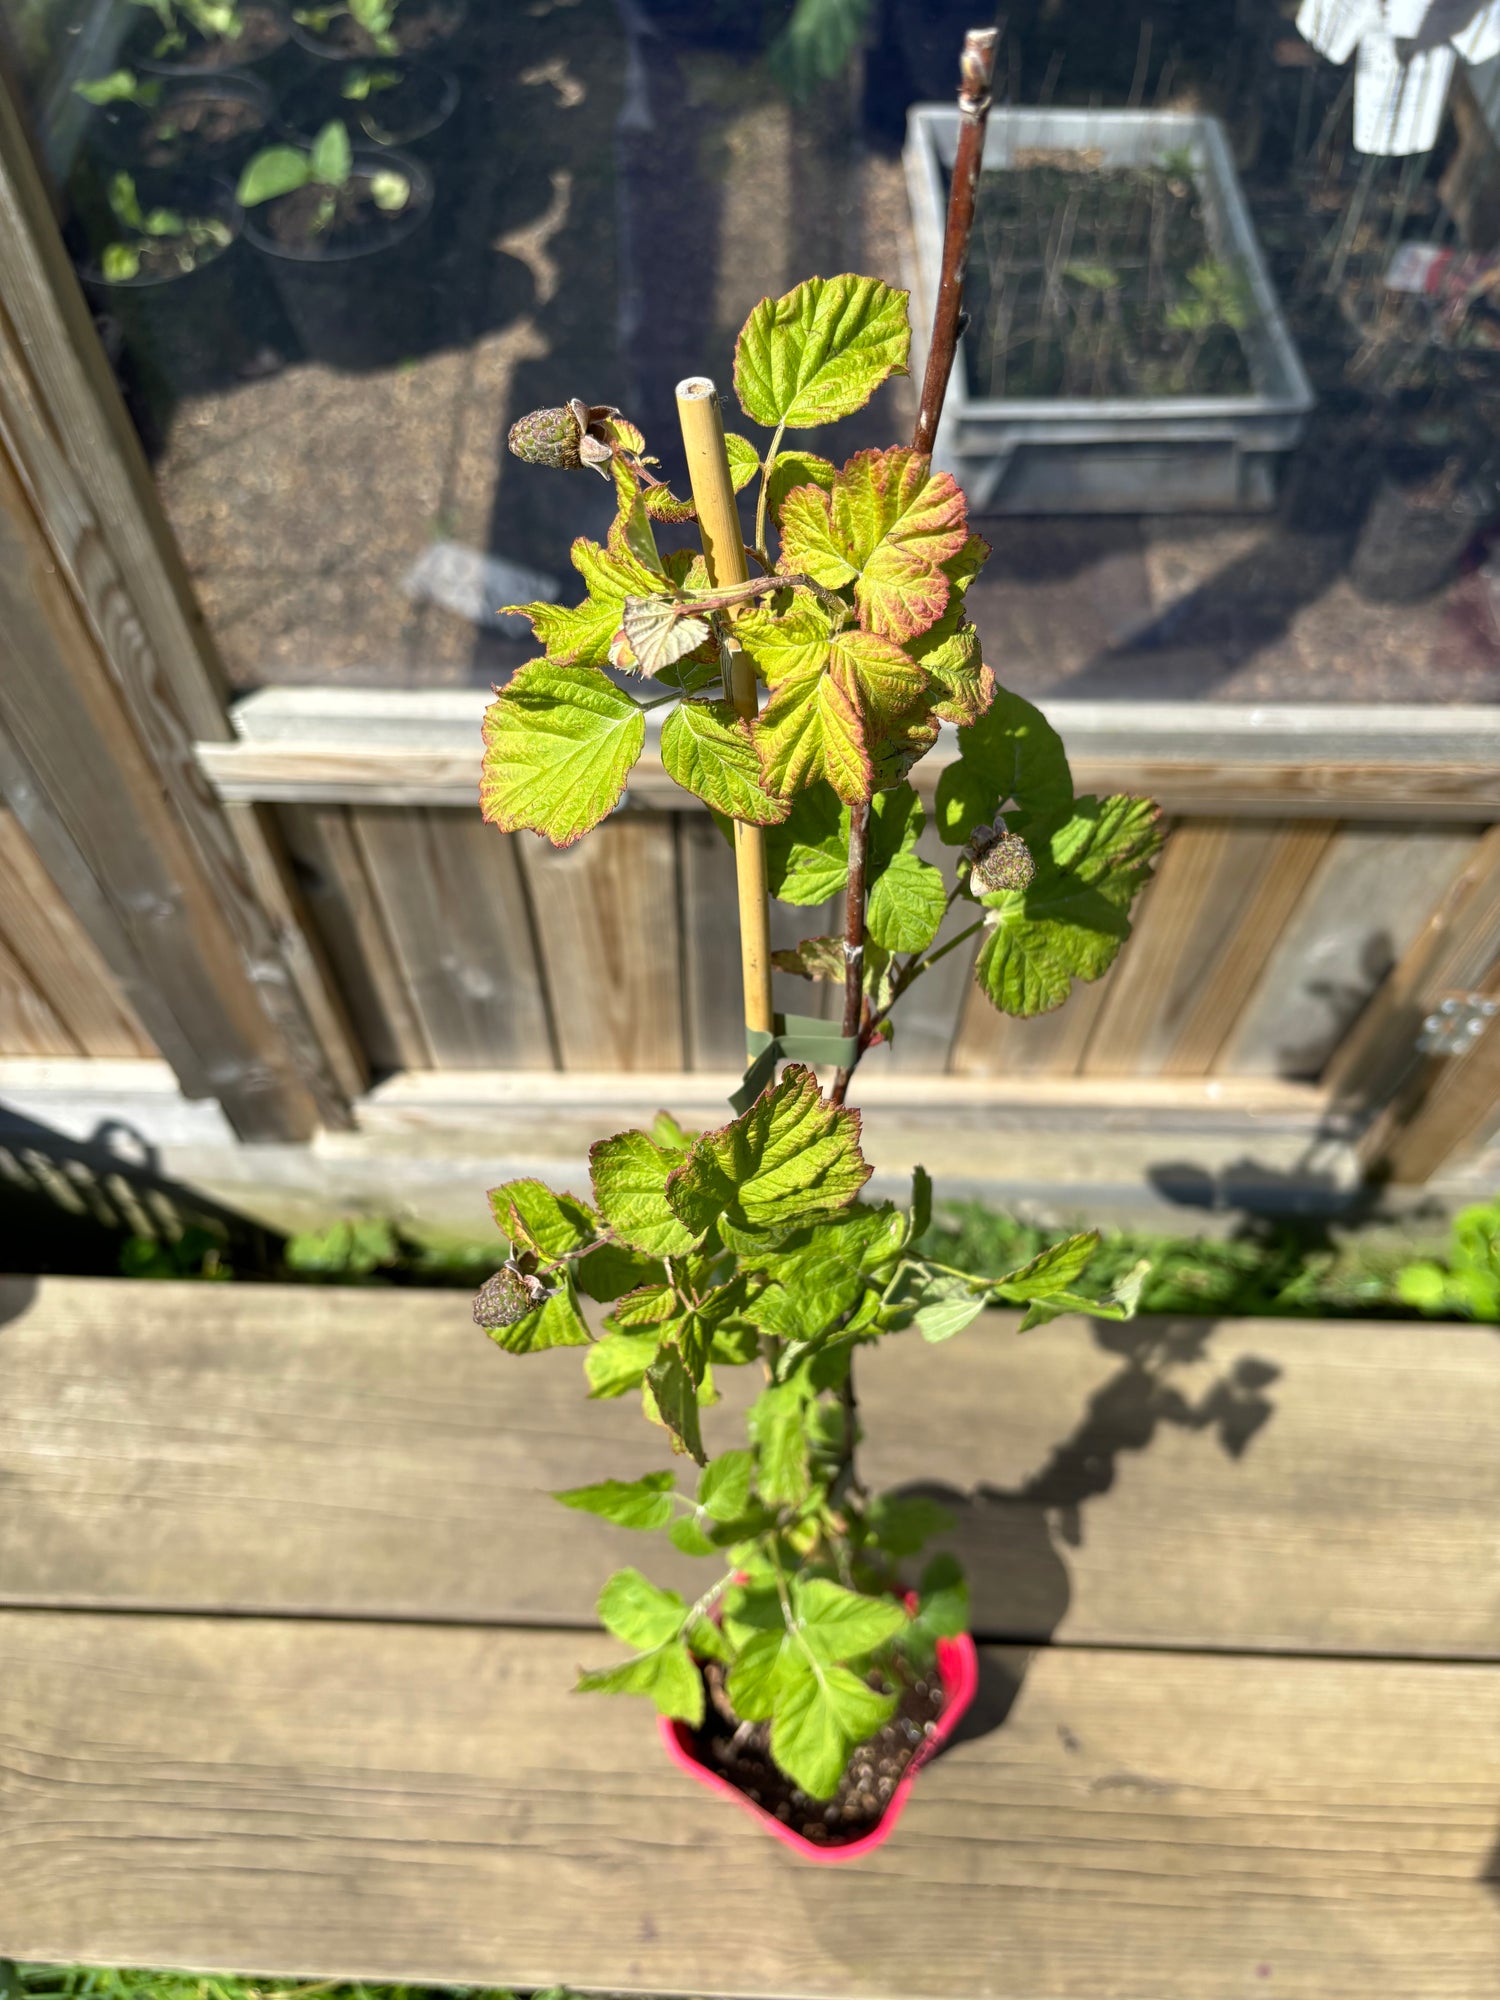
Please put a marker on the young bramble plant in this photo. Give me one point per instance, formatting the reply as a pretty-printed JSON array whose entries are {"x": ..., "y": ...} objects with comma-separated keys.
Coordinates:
[
  {"x": 376, "y": 17},
  {"x": 157, "y": 241},
  {"x": 327, "y": 164},
  {"x": 214, "y": 20},
  {"x": 751, "y": 1245}
]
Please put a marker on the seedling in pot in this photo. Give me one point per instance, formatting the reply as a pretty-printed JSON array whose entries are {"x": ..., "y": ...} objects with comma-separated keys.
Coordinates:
[
  {"x": 1220, "y": 297},
  {"x": 214, "y": 20},
  {"x": 159, "y": 238},
  {"x": 327, "y": 164},
  {"x": 376, "y": 17},
  {"x": 122, "y": 86}
]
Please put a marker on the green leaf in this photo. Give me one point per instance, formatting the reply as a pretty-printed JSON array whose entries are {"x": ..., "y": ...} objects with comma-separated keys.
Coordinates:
[
  {"x": 943, "y": 1598},
  {"x": 787, "y": 1157},
  {"x": 821, "y": 351},
  {"x": 777, "y": 1424},
  {"x": 787, "y": 634},
  {"x": 638, "y": 1612},
  {"x": 611, "y": 1271},
  {"x": 809, "y": 731},
  {"x": 821, "y": 1713},
  {"x": 744, "y": 460},
  {"x": 1052, "y": 1270},
  {"x": 120, "y": 263},
  {"x": 618, "y": 1363},
  {"x": 276, "y": 171},
  {"x": 331, "y": 156},
  {"x": 629, "y": 1174},
  {"x": 944, "y": 1308},
  {"x": 644, "y": 1503},
  {"x": 756, "y": 1677},
  {"x": 907, "y": 899},
  {"x": 119, "y": 87},
  {"x": 668, "y": 1675},
  {"x": 837, "y": 1624},
  {"x": 652, "y": 1305},
  {"x": 557, "y": 1323},
  {"x": 903, "y": 1523},
  {"x": 706, "y": 748},
  {"x": 724, "y": 1489},
  {"x": 581, "y": 635},
  {"x": 1072, "y": 920},
  {"x": 807, "y": 856},
  {"x": 559, "y": 743},
  {"x": 921, "y": 1204},
  {"x": 791, "y": 470},
  {"x": 124, "y": 202},
  {"x": 534, "y": 1218},
  {"x": 1010, "y": 752},
  {"x": 1119, "y": 1304},
  {"x": 674, "y": 1391},
  {"x": 889, "y": 524}
]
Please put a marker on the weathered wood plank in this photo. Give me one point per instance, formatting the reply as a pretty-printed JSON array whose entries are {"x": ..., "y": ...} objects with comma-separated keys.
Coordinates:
[
  {"x": 993, "y": 1044},
  {"x": 44, "y": 935},
  {"x": 450, "y": 892},
  {"x": 1254, "y": 1483},
  {"x": 1221, "y": 897},
  {"x": 28, "y": 1025},
  {"x": 348, "y": 919},
  {"x": 329, "y": 1800},
  {"x": 1374, "y": 888},
  {"x": 607, "y": 924}
]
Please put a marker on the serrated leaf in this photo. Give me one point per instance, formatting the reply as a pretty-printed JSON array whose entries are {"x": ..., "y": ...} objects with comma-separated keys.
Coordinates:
[
  {"x": 744, "y": 460},
  {"x": 686, "y": 1535},
  {"x": 674, "y": 1392},
  {"x": 638, "y": 1612},
  {"x": 644, "y": 1503},
  {"x": 559, "y": 743},
  {"x": 629, "y": 1175},
  {"x": 955, "y": 661},
  {"x": 810, "y": 730},
  {"x": 630, "y": 532},
  {"x": 755, "y": 1678},
  {"x": 618, "y": 1363},
  {"x": 785, "y": 635},
  {"x": 791, "y": 470},
  {"x": 836, "y": 1624},
  {"x": 939, "y": 1312},
  {"x": 821, "y": 1714},
  {"x": 807, "y": 856},
  {"x": 777, "y": 1425},
  {"x": 907, "y": 899},
  {"x": 789, "y": 1156},
  {"x": 889, "y": 524},
  {"x": 903, "y": 1523},
  {"x": 706, "y": 748},
  {"x": 580, "y": 634},
  {"x": 724, "y": 1489},
  {"x": 669, "y": 1135},
  {"x": 1070, "y": 923},
  {"x": 1009, "y": 752},
  {"x": 657, "y": 634},
  {"x": 1119, "y": 1304},
  {"x": 534, "y": 1218},
  {"x": 1051, "y": 1270},
  {"x": 612, "y": 1271},
  {"x": 663, "y": 505},
  {"x": 668, "y": 1675},
  {"x": 821, "y": 351},
  {"x": 557, "y": 1323}
]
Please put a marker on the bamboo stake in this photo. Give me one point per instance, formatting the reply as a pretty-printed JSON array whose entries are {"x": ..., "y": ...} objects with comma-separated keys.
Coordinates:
[{"x": 724, "y": 552}]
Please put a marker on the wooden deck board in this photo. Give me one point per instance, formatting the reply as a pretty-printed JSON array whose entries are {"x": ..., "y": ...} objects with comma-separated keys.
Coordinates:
[
  {"x": 367, "y": 1453},
  {"x": 408, "y": 1802}
]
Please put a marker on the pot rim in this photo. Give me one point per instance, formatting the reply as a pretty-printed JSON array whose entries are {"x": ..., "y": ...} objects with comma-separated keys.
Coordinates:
[
  {"x": 452, "y": 95},
  {"x": 958, "y": 1670},
  {"x": 164, "y": 66},
  {"x": 375, "y": 159},
  {"x": 314, "y": 46}
]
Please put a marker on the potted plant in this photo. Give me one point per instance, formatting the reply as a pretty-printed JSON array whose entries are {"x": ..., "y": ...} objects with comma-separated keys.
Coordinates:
[
  {"x": 809, "y": 1677},
  {"x": 188, "y": 125},
  {"x": 357, "y": 30},
  {"x": 186, "y": 37},
  {"x": 160, "y": 266},
  {"x": 336, "y": 224},
  {"x": 380, "y": 103}
]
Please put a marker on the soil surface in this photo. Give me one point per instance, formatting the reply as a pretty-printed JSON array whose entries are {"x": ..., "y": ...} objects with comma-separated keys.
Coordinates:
[
  {"x": 161, "y": 258},
  {"x": 407, "y": 110},
  {"x": 419, "y": 25},
  {"x": 198, "y": 129},
  {"x": 357, "y": 219},
  {"x": 741, "y": 1753},
  {"x": 1075, "y": 277},
  {"x": 262, "y": 31}
]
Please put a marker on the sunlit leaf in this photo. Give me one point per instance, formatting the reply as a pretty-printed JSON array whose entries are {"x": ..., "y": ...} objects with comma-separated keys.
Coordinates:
[
  {"x": 559, "y": 743},
  {"x": 821, "y": 351},
  {"x": 790, "y": 1154},
  {"x": 706, "y": 748}
]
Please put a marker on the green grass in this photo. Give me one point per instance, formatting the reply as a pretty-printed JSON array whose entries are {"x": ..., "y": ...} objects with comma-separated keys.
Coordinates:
[{"x": 83, "y": 1982}]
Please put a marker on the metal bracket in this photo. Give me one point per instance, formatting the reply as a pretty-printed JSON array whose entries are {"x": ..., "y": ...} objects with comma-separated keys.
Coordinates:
[{"x": 1456, "y": 1023}]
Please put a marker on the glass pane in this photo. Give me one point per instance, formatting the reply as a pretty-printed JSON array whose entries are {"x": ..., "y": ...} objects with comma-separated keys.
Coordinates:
[{"x": 1226, "y": 407}]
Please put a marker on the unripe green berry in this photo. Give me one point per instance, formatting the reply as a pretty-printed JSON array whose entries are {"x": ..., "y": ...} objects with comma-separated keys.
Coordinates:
[
  {"x": 507, "y": 1297},
  {"x": 548, "y": 437},
  {"x": 1006, "y": 863}
]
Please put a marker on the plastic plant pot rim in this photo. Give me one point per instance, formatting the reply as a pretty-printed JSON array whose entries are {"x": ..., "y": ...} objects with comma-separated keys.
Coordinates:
[
  {"x": 371, "y": 159},
  {"x": 164, "y": 66},
  {"x": 224, "y": 209},
  {"x": 316, "y": 46},
  {"x": 452, "y": 93},
  {"x": 958, "y": 1670}
]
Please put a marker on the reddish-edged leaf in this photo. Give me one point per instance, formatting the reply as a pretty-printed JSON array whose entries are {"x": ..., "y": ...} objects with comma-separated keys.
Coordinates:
[
  {"x": 812, "y": 728},
  {"x": 792, "y": 469},
  {"x": 899, "y": 522},
  {"x": 787, "y": 640},
  {"x": 809, "y": 543},
  {"x": 706, "y": 748},
  {"x": 580, "y": 634}
]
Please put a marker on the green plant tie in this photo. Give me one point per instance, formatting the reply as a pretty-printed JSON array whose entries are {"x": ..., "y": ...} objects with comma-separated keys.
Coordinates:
[{"x": 798, "y": 1038}]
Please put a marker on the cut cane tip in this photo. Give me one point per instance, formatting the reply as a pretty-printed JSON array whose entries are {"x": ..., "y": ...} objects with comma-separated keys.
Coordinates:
[{"x": 695, "y": 389}]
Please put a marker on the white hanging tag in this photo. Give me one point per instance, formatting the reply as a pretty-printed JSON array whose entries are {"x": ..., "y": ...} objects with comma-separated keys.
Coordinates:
[
  {"x": 1335, "y": 26},
  {"x": 1480, "y": 41},
  {"x": 1398, "y": 106}
]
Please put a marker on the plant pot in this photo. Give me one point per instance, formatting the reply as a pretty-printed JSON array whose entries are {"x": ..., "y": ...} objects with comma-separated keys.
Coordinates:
[
  {"x": 417, "y": 111},
  {"x": 226, "y": 121},
  {"x": 1420, "y": 523},
  {"x": 421, "y": 28},
  {"x": 958, "y": 1670},
  {"x": 186, "y": 332},
  {"x": 266, "y": 28},
  {"x": 364, "y": 303}
]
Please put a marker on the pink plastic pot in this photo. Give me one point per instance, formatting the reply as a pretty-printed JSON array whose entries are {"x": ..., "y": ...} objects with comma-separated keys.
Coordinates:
[{"x": 958, "y": 1670}]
